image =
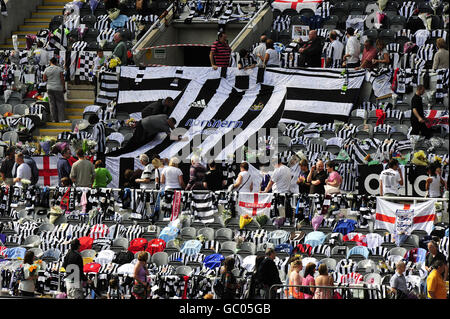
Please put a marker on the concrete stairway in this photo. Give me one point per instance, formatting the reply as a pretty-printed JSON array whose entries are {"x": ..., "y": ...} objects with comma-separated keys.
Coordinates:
[
  {"x": 77, "y": 98},
  {"x": 37, "y": 21}
]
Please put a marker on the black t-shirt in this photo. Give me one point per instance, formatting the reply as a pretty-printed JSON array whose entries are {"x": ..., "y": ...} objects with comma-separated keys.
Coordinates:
[
  {"x": 318, "y": 189},
  {"x": 416, "y": 103},
  {"x": 430, "y": 260},
  {"x": 304, "y": 187},
  {"x": 214, "y": 179}
]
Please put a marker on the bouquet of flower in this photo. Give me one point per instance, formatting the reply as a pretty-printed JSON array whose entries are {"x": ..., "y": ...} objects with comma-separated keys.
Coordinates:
[
  {"x": 130, "y": 122},
  {"x": 35, "y": 267},
  {"x": 244, "y": 220}
]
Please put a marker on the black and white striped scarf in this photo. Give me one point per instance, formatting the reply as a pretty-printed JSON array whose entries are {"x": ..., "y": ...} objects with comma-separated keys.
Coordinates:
[
  {"x": 324, "y": 9},
  {"x": 281, "y": 23},
  {"x": 426, "y": 52},
  {"x": 407, "y": 9},
  {"x": 103, "y": 22},
  {"x": 79, "y": 46},
  {"x": 442, "y": 85}
]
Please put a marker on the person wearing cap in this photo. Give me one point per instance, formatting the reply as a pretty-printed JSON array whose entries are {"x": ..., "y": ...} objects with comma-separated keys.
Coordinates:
[
  {"x": 73, "y": 264},
  {"x": 280, "y": 182}
]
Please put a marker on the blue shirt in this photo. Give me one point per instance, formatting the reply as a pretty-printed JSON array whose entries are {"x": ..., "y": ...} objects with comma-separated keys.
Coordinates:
[{"x": 63, "y": 169}]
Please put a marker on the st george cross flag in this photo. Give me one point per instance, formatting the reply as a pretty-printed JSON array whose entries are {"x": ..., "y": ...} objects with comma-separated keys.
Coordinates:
[
  {"x": 404, "y": 218},
  {"x": 295, "y": 4},
  {"x": 254, "y": 204},
  {"x": 48, "y": 170}
]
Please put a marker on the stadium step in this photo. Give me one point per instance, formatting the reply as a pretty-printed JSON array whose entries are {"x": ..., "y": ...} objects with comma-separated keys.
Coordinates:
[
  {"x": 33, "y": 28},
  {"x": 51, "y": 7},
  {"x": 46, "y": 14},
  {"x": 38, "y": 20}
]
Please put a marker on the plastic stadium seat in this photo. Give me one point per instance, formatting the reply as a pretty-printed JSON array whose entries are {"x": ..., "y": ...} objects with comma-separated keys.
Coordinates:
[
  {"x": 21, "y": 109},
  {"x": 224, "y": 234},
  {"x": 367, "y": 266},
  {"x": 327, "y": 134},
  {"x": 207, "y": 232},
  {"x": 183, "y": 270},
  {"x": 308, "y": 13},
  {"x": 32, "y": 241},
  {"x": 88, "y": 253},
  {"x": 364, "y": 131},
  {"x": 5, "y": 108},
  {"x": 296, "y": 20},
  {"x": 397, "y": 251},
  {"x": 411, "y": 242},
  {"x": 357, "y": 117},
  {"x": 248, "y": 248},
  {"x": 399, "y": 132},
  {"x": 339, "y": 252},
  {"x": 46, "y": 227},
  {"x": 387, "y": 35},
  {"x": 372, "y": 278},
  {"x": 120, "y": 243},
  {"x": 188, "y": 233},
  {"x": 424, "y": 8},
  {"x": 171, "y": 247},
  {"x": 228, "y": 247},
  {"x": 330, "y": 262},
  {"x": 398, "y": 20},
  {"x": 341, "y": 7},
  {"x": 333, "y": 20},
  {"x": 371, "y": 33},
  {"x": 89, "y": 20},
  {"x": 290, "y": 12},
  {"x": 10, "y": 136}
]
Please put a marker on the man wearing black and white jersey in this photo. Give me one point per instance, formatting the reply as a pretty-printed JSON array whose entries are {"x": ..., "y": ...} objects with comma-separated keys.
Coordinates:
[{"x": 334, "y": 52}]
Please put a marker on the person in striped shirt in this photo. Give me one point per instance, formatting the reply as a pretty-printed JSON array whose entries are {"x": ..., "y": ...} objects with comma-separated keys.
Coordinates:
[{"x": 220, "y": 52}]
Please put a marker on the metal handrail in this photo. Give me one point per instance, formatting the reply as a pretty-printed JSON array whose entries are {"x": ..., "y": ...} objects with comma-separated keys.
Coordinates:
[
  {"x": 152, "y": 27},
  {"x": 249, "y": 24},
  {"x": 378, "y": 291}
]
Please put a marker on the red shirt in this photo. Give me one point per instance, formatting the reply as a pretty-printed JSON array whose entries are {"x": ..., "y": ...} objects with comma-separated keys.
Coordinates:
[
  {"x": 156, "y": 245},
  {"x": 221, "y": 53},
  {"x": 369, "y": 55}
]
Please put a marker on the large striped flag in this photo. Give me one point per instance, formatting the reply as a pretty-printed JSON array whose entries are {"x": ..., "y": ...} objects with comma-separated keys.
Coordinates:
[
  {"x": 219, "y": 102},
  {"x": 404, "y": 218},
  {"x": 48, "y": 170},
  {"x": 254, "y": 204}
]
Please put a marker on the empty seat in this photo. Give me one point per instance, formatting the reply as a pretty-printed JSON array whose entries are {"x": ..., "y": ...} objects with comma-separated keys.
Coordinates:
[
  {"x": 120, "y": 243},
  {"x": 160, "y": 258},
  {"x": 88, "y": 253},
  {"x": 397, "y": 251},
  {"x": 366, "y": 266},
  {"x": 224, "y": 234},
  {"x": 228, "y": 247},
  {"x": 46, "y": 227},
  {"x": 248, "y": 248},
  {"x": 339, "y": 252},
  {"x": 21, "y": 109},
  {"x": 399, "y": 132},
  {"x": 387, "y": 35},
  {"x": 188, "y": 233},
  {"x": 307, "y": 13},
  {"x": 371, "y": 33}
]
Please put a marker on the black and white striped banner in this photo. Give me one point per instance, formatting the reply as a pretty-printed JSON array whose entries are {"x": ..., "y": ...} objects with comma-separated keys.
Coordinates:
[{"x": 220, "y": 109}]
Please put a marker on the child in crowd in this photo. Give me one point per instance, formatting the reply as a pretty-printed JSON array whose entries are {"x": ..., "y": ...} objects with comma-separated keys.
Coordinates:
[{"x": 114, "y": 289}]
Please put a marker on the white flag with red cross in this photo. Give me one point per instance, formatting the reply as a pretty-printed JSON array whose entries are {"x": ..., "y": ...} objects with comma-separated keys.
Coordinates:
[
  {"x": 254, "y": 204},
  {"x": 296, "y": 4},
  {"x": 404, "y": 218},
  {"x": 48, "y": 170}
]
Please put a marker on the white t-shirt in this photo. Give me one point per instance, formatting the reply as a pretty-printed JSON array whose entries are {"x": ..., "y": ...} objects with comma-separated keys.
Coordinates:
[
  {"x": 147, "y": 173},
  {"x": 281, "y": 178},
  {"x": 245, "y": 183},
  {"x": 259, "y": 50},
  {"x": 171, "y": 174},
  {"x": 435, "y": 187},
  {"x": 353, "y": 48},
  {"x": 390, "y": 179},
  {"x": 273, "y": 57},
  {"x": 23, "y": 172}
]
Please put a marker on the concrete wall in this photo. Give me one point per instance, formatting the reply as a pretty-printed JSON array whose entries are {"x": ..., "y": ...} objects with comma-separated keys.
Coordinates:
[
  {"x": 18, "y": 11},
  {"x": 187, "y": 34}
]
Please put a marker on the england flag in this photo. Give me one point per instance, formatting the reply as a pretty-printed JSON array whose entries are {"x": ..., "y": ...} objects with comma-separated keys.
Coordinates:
[
  {"x": 405, "y": 218},
  {"x": 48, "y": 170},
  {"x": 254, "y": 204}
]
